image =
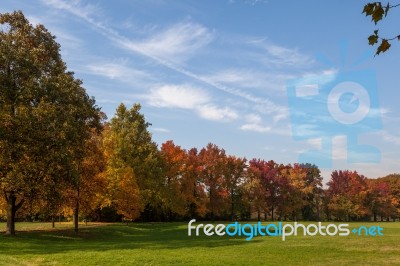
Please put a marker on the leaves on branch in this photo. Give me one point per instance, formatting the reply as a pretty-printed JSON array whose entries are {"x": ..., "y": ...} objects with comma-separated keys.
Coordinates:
[
  {"x": 373, "y": 38},
  {"x": 376, "y": 11},
  {"x": 387, "y": 9},
  {"x": 383, "y": 47}
]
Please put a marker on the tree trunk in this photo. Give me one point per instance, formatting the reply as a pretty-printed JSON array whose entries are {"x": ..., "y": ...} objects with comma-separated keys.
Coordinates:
[
  {"x": 212, "y": 204},
  {"x": 232, "y": 205},
  {"x": 53, "y": 222},
  {"x": 232, "y": 212},
  {"x": 272, "y": 213},
  {"x": 76, "y": 217},
  {"x": 375, "y": 218},
  {"x": 12, "y": 208}
]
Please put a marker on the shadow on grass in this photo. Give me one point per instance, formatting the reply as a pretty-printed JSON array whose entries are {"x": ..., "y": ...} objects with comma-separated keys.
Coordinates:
[{"x": 113, "y": 237}]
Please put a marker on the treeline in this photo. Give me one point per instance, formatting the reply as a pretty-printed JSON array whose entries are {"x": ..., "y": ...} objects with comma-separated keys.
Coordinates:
[
  {"x": 60, "y": 159},
  {"x": 125, "y": 176}
]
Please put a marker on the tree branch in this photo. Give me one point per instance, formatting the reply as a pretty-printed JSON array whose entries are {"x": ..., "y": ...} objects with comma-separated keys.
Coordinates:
[{"x": 17, "y": 206}]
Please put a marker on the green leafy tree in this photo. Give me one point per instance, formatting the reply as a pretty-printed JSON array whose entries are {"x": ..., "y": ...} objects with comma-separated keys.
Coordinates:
[
  {"x": 133, "y": 163},
  {"x": 45, "y": 114},
  {"x": 85, "y": 194}
]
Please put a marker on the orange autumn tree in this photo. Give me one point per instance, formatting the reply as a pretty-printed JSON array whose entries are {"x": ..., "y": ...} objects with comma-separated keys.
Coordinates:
[
  {"x": 86, "y": 194},
  {"x": 383, "y": 198},
  {"x": 346, "y": 193},
  {"x": 175, "y": 197},
  {"x": 301, "y": 193},
  {"x": 194, "y": 186},
  {"x": 379, "y": 199},
  {"x": 184, "y": 193},
  {"x": 393, "y": 181},
  {"x": 213, "y": 163},
  {"x": 273, "y": 183},
  {"x": 293, "y": 191},
  {"x": 235, "y": 172},
  {"x": 255, "y": 196}
]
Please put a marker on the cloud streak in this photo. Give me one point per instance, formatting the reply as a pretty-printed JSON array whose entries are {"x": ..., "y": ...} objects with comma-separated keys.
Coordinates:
[
  {"x": 212, "y": 112},
  {"x": 176, "y": 43},
  {"x": 149, "y": 49},
  {"x": 177, "y": 96},
  {"x": 117, "y": 71},
  {"x": 188, "y": 97},
  {"x": 281, "y": 56},
  {"x": 254, "y": 123}
]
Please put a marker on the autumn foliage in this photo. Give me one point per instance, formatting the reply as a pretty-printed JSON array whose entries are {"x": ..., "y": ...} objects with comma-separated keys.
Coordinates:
[
  {"x": 59, "y": 159},
  {"x": 125, "y": 176}
]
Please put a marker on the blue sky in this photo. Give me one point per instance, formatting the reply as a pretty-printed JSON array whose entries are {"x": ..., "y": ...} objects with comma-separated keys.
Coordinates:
[{"x": 217, "y": 71}]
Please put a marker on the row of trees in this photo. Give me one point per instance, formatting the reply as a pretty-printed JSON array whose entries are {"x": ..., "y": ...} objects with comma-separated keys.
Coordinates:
[
  {"x": 59, "y": 158},
  {"x": 123, "y": 175}
]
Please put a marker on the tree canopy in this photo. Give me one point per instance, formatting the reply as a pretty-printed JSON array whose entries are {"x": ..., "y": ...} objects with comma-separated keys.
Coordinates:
[{"x": 45, "y": 114}]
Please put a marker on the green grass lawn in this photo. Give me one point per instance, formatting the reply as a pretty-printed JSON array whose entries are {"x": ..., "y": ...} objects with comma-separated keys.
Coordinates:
[{"x": 168, "y": 243}]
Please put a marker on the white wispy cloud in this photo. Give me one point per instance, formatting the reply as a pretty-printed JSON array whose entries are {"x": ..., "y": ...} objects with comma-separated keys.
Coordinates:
[
  {"x": 252, "y": 79},
  {"x": 285, "y": 56},
  {"x": 389, "y": 137},
  {"x": 178, "y": 96},
  {"x": 255, "y": 127},
  {"x": 254, "y": 123},
  {"x": 75, "y": 7},
  {"x": 280, "y": 56},
  {"x": 150, "y": 49},
  {"x": 188, "y": 97},
  {"x": 160, "y": 129},
  {"x": 212, "y": 112},
  {"x": 315, "y": 143},
  {"x": 316, "y": 78},
  {"x": 278, "y": 112},
  {"x": 306, "y": 131},
  {"x": 177, "y": 42},
  {"x": 116, "y": 70}
]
